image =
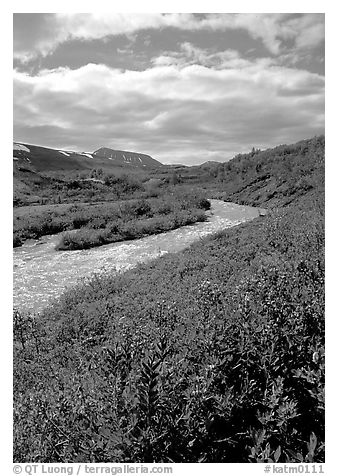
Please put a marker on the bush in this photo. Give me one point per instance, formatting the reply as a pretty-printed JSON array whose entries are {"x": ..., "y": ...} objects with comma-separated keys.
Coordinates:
[{"x": 204, "y": 204}]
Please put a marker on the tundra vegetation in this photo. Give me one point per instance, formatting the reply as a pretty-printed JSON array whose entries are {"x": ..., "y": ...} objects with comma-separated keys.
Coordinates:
[
  {"x": 101, "y": 223},
  {"x": 214, "y": 354}
]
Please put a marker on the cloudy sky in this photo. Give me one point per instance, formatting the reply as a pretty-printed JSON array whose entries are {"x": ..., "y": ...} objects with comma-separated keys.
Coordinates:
[{"x": 184, "y": 88}]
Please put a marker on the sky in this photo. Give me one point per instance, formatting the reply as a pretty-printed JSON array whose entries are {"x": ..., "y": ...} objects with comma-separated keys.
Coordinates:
[{"x": 184, "y": 88}]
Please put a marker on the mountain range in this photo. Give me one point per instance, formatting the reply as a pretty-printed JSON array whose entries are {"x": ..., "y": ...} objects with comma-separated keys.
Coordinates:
[{"x": 43, "y": 159}]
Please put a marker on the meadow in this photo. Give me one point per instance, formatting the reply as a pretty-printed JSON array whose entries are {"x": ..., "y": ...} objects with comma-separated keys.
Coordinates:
[{"x": 214, "y": 354}]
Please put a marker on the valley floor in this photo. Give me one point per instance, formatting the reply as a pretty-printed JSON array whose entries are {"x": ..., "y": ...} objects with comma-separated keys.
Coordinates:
[{"x": 213, "y": 354}]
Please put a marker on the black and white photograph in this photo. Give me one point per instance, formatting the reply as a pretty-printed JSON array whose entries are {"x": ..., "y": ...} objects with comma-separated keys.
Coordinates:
[{"x": 168, "y": 241}]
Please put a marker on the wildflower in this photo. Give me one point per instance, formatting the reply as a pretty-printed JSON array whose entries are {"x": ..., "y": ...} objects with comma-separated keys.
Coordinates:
[{"x": 211, "y": 367}]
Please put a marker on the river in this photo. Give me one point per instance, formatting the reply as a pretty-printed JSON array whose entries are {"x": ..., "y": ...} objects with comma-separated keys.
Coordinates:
[{"x": 41, "y": 273}]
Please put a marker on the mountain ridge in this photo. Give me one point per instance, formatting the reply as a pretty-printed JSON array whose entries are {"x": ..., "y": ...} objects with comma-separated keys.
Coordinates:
[
  {"x": 126, "y": 157},
  {"x": 48, "y": 159}
]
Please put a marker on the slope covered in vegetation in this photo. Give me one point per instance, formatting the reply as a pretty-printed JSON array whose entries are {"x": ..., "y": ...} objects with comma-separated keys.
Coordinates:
[
  {"x": 274, "y": 177},
  {"x": 269, "y": 178},
  {"x": 215, "y": 354},
  {"x": 94, "y": 185}
]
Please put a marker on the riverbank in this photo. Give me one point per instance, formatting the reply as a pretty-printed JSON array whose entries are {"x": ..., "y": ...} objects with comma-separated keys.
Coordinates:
[
  {"x": 41, "y": 273},
  {"x": 106, "y": 222},
  {"x": 214, "y": 354},
  {"x": 123, "y": 230}
]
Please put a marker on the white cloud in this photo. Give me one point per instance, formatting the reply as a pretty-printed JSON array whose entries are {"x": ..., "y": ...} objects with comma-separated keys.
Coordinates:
[
  {"x": 192, "y": 55},
  {"x": 175, "y": 112},
  {"x": 306, "y": 30}
]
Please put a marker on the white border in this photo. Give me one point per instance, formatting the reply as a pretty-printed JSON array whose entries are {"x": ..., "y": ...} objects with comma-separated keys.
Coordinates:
[{"x": 331, "y": 177}]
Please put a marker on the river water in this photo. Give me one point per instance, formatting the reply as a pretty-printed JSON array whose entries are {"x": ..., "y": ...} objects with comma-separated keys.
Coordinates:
[{"x": 41, "y": 273}]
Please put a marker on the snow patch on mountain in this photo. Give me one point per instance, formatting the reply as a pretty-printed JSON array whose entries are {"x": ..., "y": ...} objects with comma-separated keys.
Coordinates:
[{"x": 17, "y": 146}]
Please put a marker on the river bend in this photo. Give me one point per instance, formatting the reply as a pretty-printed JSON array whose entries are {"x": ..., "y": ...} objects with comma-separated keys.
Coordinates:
[{"x": 41, "y": 273}]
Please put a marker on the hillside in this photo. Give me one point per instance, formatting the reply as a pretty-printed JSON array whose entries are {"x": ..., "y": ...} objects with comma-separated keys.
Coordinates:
[
  {"x": 43, "y": 175},
  {"x": 45, "y": 159},
  {"x": 269, "y": 178},
  {"x": 273, "y": 177},
  {"x": 266, "y": 178},
  {"x": 125, "y": 158}
]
